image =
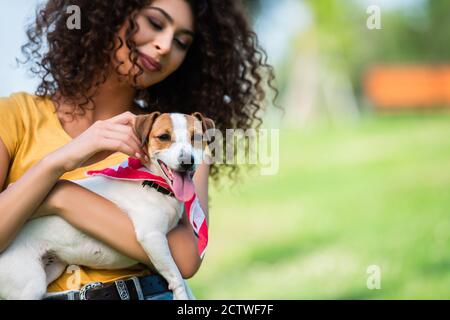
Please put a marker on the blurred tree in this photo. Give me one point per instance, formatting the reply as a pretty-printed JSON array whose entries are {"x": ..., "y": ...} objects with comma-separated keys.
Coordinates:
[
  {"x": 437, "y": 33},
  {"x": 320, "y": 85},
  {"x": 417, "y": 34},
  {"x": 328, "y": 61}
]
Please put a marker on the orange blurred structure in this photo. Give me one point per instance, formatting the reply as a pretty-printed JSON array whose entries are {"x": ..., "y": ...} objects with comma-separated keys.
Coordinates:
[{"x": 406, "y": 86}]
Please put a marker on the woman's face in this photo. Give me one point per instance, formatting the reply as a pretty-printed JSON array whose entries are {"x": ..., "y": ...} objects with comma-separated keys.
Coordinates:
[{"x": 166, "y": 32}]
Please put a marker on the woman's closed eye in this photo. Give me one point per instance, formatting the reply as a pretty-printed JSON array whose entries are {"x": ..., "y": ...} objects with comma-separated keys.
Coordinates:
[
  {"x": 155, "y": 23},
  {"x": 159, "y": 26},
  {"x": 182, "y": 45}
]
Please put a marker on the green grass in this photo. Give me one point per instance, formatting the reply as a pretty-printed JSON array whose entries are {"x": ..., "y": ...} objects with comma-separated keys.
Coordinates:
[{"x": 372, "y": 193}]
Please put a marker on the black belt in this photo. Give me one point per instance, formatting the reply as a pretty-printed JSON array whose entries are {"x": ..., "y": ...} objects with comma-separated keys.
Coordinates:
[{"x": 134, "y": 288}]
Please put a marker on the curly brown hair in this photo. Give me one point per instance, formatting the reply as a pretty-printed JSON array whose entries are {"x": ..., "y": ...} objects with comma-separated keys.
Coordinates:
[{"x": 224, "y": 76}]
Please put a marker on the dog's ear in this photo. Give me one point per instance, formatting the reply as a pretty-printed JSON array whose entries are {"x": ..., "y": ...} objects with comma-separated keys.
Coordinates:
[
  {"x": 207, "y": 123},
  {"x": 143, "y": 126}
]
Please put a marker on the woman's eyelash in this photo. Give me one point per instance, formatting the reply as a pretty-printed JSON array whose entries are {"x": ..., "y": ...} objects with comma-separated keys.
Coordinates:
[
  {"x": 181, "y": 44},
  {"x": 159, "y": 27},
  {"x": 155, "y": 24}
]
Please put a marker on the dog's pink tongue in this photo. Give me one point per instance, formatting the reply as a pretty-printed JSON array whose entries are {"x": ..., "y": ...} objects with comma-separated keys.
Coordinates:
[{"x": 182, "y": 186}]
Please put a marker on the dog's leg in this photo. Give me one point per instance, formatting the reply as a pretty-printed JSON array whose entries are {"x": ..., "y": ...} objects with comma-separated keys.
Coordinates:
[
  {"x": 35, "y": 289},
  {"x": 157, "y": 248},
  {"x": 189, "y": 291},
  {"x": 22, "y": 275},
  {"x": 23, "y": 282},
  {"x": 54, "y": 270}
]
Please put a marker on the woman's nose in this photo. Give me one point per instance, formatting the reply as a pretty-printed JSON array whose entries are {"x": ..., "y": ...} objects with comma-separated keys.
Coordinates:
[{"x": 163, "y": 45}]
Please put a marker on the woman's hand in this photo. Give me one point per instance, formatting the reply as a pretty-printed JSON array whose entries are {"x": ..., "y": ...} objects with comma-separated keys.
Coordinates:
[{"x": 113, "y": 135}]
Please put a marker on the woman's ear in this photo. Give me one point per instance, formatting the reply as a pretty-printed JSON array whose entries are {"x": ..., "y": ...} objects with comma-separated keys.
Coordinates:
[
  {"x": 143, "y": 126},
  {"x": 207, "y": 123}
]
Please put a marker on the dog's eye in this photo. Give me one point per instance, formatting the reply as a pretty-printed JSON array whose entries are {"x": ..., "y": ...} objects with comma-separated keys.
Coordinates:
[{"x": 164, "y": 137}]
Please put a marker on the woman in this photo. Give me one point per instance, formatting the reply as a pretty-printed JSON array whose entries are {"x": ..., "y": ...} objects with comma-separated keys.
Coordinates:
[{"x": 128, "y": 57}]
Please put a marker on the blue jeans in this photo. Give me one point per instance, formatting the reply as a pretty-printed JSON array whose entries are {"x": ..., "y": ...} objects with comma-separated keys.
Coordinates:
[{"x": 161, "y": 296}]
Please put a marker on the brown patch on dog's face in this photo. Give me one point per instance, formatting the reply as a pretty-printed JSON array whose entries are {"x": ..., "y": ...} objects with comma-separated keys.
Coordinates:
[
  {"x": 161, "y": 135},
  {"x": 143, "y": 126},
  {"x": 206, "y": 124},
  {"x": 195, "y": 132}
]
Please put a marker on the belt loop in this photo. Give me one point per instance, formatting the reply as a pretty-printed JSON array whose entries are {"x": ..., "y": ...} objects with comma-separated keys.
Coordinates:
[
  {"x": 71, "y": 295},
  {"x": 137, "y": 284}
]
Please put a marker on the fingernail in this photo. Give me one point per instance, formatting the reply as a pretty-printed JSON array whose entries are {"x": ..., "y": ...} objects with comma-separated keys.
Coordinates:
[
  {"x": 147, "y": 159},
  {"x": 138, "y": 155}
]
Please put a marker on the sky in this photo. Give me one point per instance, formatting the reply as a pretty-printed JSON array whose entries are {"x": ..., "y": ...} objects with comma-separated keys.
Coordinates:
[{"x": 279, "y": 20}]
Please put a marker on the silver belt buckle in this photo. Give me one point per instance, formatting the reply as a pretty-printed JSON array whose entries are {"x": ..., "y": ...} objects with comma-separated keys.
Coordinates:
[{"x": 84, "y": 290}]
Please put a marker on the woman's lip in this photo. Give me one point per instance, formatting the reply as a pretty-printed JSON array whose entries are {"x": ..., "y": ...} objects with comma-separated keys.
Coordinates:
[{"x": 150, "y": 63}]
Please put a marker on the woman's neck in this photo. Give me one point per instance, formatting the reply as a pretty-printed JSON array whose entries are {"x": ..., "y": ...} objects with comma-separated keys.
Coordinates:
[{"x": 111, "y": 99}]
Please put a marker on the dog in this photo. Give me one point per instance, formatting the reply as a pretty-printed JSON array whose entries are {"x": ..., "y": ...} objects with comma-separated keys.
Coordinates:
[{"x": 24, "y": 271}]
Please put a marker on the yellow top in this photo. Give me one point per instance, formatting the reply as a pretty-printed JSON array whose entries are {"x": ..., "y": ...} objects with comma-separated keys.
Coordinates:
[{"x": 30, "y": 129}]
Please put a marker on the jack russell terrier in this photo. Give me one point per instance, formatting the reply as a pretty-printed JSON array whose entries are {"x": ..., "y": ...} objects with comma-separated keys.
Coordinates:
[{"x": 173, "y": 160}]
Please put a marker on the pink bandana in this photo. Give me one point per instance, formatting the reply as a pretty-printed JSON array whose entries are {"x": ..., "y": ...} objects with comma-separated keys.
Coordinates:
[{"x": 133, "y": 169}]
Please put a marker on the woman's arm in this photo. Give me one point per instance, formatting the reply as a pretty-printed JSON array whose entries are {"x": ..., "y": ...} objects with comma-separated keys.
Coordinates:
[
  {"x": 19, "y": 201},
  {"x": 103, "y": 220},
  {"x": 23, "y": 198}
]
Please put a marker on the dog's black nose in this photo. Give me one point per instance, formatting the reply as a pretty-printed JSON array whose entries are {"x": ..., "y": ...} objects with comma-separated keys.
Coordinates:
[{"x": 187, "y": 163}]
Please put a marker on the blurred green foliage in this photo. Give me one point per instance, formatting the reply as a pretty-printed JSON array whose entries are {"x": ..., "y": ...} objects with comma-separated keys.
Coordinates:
[
  {"x": 374, "y": 193},
  {"x": 369, "y": 192},
  {"x": 416, "y": 34}
]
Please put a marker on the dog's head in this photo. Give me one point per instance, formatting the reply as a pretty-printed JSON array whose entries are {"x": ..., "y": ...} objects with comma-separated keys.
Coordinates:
[{"x": 174, "y": 143}]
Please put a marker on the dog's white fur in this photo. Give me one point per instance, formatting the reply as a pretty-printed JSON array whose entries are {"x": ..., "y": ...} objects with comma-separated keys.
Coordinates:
[{"x": 23, "y": 270}]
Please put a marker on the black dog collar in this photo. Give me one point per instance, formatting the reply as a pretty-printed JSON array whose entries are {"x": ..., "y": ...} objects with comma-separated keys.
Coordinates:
[{"x": 158, "y": 188}]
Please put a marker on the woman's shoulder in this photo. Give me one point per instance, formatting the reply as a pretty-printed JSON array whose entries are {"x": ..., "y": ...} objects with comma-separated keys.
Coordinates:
[
  {"x": 14, "y": 112},
  {"x": 25, "y": 106},
  {"x": 25, "y": 99}
]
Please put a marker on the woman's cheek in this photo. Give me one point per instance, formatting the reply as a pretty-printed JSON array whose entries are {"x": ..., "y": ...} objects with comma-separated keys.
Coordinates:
[
  {"x": 177, "y": 61},
  {"x": 144, "y": 35}
]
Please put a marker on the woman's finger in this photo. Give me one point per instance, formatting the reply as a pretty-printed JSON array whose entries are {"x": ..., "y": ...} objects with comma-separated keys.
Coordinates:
[
  {"x": 125, "y": 129},
  {"x": 125, "y": 139},
  {"x": 119, "y": 146},
  {"x": 123, "y": 118}
]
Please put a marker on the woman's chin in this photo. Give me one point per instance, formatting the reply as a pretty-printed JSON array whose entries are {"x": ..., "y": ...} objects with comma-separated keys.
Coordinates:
[{"x": 146, "y": 81}]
